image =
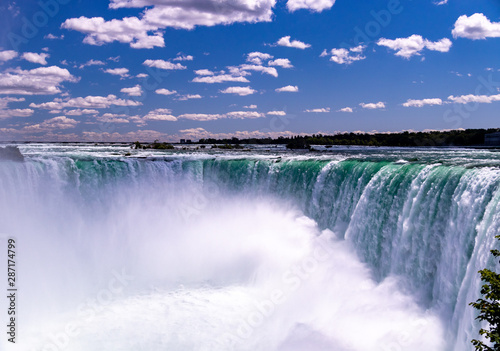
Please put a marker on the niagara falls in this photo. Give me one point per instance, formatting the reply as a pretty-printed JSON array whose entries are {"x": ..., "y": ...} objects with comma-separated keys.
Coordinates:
[
  {"x": 220, "y": 250},
  {"x": 249, "y": 175}
]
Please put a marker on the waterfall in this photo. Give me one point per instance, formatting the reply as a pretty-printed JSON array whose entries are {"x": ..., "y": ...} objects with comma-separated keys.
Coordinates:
[{"x": 420, "y": 225}]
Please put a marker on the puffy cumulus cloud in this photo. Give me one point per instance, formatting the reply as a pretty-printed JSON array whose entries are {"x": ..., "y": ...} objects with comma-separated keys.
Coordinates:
[
  {"x": 202, "y": 117},
  {"x": 319, "y": 110},
  {"x": 372, "y": 106},
  {"x": 77, "y": 112},
  {"x": 281, "y": 62},
  {"x": 482, "y": 99},
  {"x": 88, "y": 102},
  {"x": 133, "y": 91},
  {"x": 312, "y": 5},
  {"x": 7, "y": 55},
  {"x": 200, "y": 133},
  {"x": 257, "y": 58},
  {"x": 345, "y": 56},
  {"x": 122, "y": 72},
  {"x": 92, "y": 63},
  {"x": 243, "y": 70},
  {"x": 160, "y": 114},
  {"x": 35, "y": 58},
  {"x": 250, "y": 106},
  {"x": 5, "y": 112},
  {"x": 241, "y": 91},
  {"x": 184, "y": 58},
  {"x": 423, "y": 102},
  {"x": 285, "y": 41},
  {"x": 475, "y": 27},
  {"x": 145, "y": 32},
  {"x": 61, "y": 122},
  {"x": 414, "y": 45},
  {"x": 244, "y": 114},
  {"x": 204, "y": 72},
  {"x": 165, "y": 92},
  {"x": 189, "y": 97},
  {"x": 51, "y": 36},
  {"x": 277, "y": 113},
  {"x": 38, "y": 81},
  {"x": 221, "y": 78},
  {"x": 16, "y": 112},
  {"x": 131, "y": 30},
  {"x": 162, "y": 64},
  {"x": 346, "y": 109},
  {"x": 114, "y": 118},
  {"x": 288, "y": 89}
]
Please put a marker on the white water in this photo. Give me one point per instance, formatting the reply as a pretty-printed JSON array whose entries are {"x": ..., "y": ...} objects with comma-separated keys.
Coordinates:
[{"x": 159, "y": 256}]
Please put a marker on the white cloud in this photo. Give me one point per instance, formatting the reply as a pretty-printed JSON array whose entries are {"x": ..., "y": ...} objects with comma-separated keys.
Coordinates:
[
  {"x": 313, "y": 5},
  {"x": 245, "y": 68},
  {"x": 61, "y": 122},
  {"x": 483, "y": 99},
  {"x": 89, "y": 102},
  {"x": 142, "y": 75},
  {"x": 114, "y": 118},
  {"x": 423, "y": 102},
  {"x": 130, "y": 30},
  {"x": 277, "y": 113},
  {"x": 189, "y": 97},
  {"x": 257, "y": 58},
  {"x": 201, "y": 116},
  {"x": 35, "y": 58},
  {"x": 345, "y": 56},
  {"x": 92, "y": 63},
  {"x": 38, "y": 81},
  {"x": 204, "y": 72},
  {"x": 442, "y": 45},
  {"x": 372, "y": 106},
  {"x": 78, "y": 112},
  {"x": 281, "y": 62},
  {"x": 250, "y": 106},
  {"x": 285, "y": 41},
  {"x": 442, "y": 2},
  {"x": 199, "y": 133},
  {"x": 220, "y": 79},
  {"x": 212, "y": 117},
  {"x": 414, "y": 45},
  {"x": 184, "y": 58},
  {"x": 319, "y": 110},
  {"x": 133, "y": 91},
  {"x": 288, "y": 88},
  {"x": 145, "y": 32},
  {"x": 346, "y": 109},
  {"x": 477, "y": 26},
  {"x": 160, "y": 114},
  {"x": 5, "y": 112},
  {"x": 241, "y": 91},
  {"x": 165, "y": 92},
  {"x": 7, "y": 55},
  {"x": 244, "y": 114},
  {"x": 122, "y": 72},
  {"x": 16, "y": 112},
  {"x": 53, "y": 37},
  {"x": 163, "y": 64}
]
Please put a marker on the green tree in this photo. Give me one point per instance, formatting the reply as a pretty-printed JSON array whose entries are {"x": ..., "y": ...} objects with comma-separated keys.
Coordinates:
[{"x": 489, "y": 307}]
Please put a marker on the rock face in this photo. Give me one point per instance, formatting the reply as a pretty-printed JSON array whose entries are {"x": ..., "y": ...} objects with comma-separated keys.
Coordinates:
[{"x": 11, "y": 153}]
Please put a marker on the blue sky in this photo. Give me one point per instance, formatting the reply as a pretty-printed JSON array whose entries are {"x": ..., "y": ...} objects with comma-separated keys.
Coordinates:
[{"x": 125, "y": 70}]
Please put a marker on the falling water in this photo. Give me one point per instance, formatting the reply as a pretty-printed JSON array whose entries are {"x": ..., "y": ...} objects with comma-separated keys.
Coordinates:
[{"x": 356, "y": 249}]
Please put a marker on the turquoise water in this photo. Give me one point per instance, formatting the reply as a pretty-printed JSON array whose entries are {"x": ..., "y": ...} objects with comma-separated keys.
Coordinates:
[{"x": 416, "y": 226}]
